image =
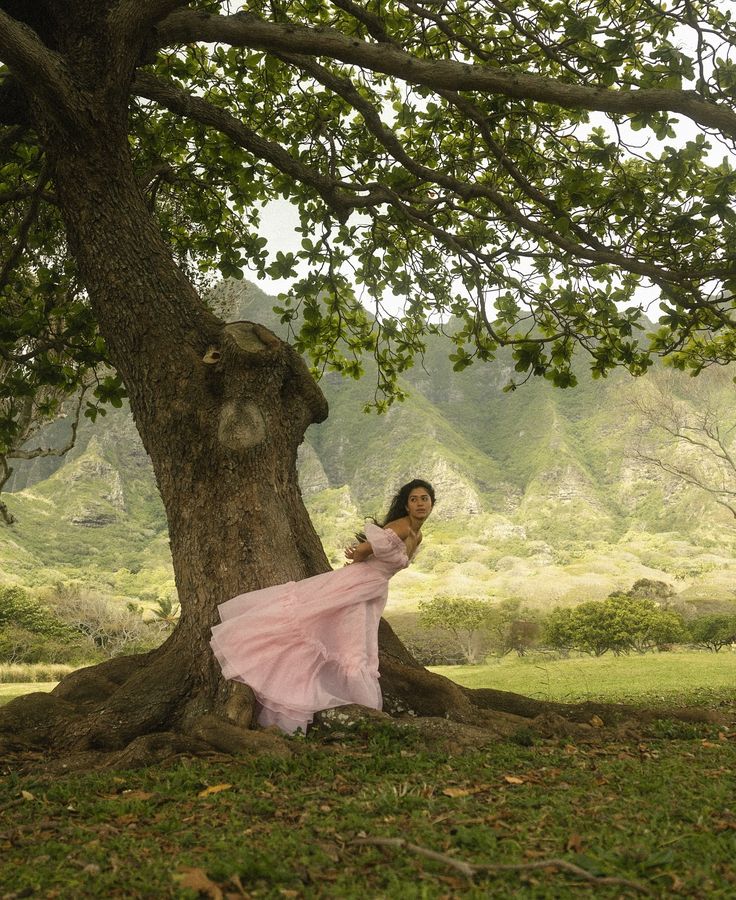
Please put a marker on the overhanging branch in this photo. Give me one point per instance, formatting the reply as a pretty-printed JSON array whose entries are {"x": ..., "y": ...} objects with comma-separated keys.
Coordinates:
[
  {"x": 55, "y": 451},
  {"x": 244, "y": 30},
  {"x": 185, "y": 104},
  {"x": 468, "y": 191},
  {"x": 25, "y": 228}
]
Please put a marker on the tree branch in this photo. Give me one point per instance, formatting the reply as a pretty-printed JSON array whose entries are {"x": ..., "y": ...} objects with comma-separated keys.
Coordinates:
[
  {"x": 720, "y": 495},
  {"x": 25, "y": 228},
  {"x": 471, "y": 869},
  {"x": 142, "y": 14},
  {"x": 469, "y": 191},
  {"x": 241, "y": 29},
  {"x": 5, "y": 473},
  {"x": 475, "y": 114},
  {"x": 184, "y": 104},
  {"x": 373, "y": 24},
  {"x": 53, "y": 451},
  {"x": 131, "y": 20},
  {"x": 40, "y": 70}
]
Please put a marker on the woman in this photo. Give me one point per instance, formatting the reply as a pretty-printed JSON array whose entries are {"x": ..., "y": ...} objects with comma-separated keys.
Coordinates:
[{"x": 313, "y": 644}]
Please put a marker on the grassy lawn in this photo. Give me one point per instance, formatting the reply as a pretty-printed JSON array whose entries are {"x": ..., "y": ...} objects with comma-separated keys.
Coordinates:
[
  {"x": 686, "y": 676},
  {"x": 655, "y": 811},
  {"x": 11, "y": 690}
]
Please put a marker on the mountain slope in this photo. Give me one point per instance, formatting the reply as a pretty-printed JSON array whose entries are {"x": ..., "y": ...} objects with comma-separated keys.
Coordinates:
[{"x": 539, "y": 494}]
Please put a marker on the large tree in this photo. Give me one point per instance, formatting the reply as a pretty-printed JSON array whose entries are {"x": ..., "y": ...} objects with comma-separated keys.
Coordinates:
[{"x": 525, "y": 167}]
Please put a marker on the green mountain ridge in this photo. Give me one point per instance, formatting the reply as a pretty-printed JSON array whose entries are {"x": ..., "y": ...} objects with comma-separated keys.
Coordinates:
[{"x": 539, "y": 493}]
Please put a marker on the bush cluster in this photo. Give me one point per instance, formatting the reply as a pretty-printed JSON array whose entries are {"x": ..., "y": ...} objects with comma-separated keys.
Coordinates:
[
  {"x": 31, "y": 633},
  {"x": 75, "y": 626},
  {"x": 452, "y": 630},
  {"x": 620, "y": 623},
  {"x": 713, "y": 632}
]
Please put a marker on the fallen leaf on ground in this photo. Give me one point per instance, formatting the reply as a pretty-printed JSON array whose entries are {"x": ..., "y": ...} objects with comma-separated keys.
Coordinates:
[
  {"x": 197, "y": 880},
  {"x": 214, "y": 789},
  {"x": 596, "y": 722},
  {"x": 574, "y": 843},
  {"x": 514, "y": 779},
  {"x": 456, "y": 792}
]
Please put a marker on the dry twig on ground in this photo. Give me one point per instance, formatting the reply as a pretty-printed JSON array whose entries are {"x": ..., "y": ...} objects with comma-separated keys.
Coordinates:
[{"x": 472, "y": 869}]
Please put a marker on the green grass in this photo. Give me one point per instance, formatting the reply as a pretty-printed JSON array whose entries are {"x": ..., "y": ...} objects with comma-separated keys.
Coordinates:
[
  {"x": 656, "y": 808},
  {"x": 683, "y": 676},
  {"x": 288, "y": 828},
  {"x": 12, "y": 690}
]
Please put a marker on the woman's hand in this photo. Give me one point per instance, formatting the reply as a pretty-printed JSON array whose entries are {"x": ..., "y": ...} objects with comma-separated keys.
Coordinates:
[{"x": 358, "y": 552}]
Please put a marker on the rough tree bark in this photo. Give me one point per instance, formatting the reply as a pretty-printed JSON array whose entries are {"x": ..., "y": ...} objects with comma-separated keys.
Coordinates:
[{"x": 221, "y": 410}]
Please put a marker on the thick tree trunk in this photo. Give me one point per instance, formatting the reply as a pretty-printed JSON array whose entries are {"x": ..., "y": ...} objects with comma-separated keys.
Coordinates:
[{"x": 221, "y": 410}]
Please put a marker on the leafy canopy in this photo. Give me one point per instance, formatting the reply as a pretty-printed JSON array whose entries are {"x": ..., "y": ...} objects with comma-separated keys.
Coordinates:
[{"x": 535, "y": 171}]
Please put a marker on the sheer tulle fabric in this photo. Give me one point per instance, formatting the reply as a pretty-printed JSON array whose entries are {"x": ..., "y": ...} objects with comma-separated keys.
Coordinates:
[{"x": 310, "y": 645}]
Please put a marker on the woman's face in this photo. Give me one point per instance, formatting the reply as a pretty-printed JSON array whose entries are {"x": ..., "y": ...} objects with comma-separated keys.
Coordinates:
[{"x": 419, "y": 504}]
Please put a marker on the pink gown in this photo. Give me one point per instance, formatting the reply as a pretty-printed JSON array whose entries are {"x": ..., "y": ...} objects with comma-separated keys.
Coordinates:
[{"x": 310, "y": 645}]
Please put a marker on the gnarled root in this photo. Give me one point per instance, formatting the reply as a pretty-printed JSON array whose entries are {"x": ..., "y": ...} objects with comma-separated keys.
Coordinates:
[{"x": 134, "y": 709}]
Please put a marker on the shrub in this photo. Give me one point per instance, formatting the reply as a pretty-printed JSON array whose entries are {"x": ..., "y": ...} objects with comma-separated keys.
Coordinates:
[
  {"x": 19, "y": 609},
  {"x": 20, "y": 645},
  {"x": 429, "y": 646},
  {"x": 465, "y": 619},
  {"x": 558, "y": 630},
  {"x": 510, "y": 628},
  {"x": 30, "y": 632},
  {"x": 109, "y": 625},
  {"x": 434, "y": 647},
  {"x": 521, "y": 635},
  {"x": 713, "y": 632},
  {"x": 620, "y": 623},
  {"x": 460, "y": 629},
  {"x": 650, "y": 589}
]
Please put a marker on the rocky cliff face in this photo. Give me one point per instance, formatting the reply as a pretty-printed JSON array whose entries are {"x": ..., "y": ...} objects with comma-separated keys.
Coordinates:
[{"x": 538, "y": 472}]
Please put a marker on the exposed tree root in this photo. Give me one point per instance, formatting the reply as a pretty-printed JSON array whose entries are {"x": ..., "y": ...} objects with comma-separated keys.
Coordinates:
[
  {"x": 138, "y": 710},
  {"x": 609, "y": 713},
  {"x": 132, "y": 710}
]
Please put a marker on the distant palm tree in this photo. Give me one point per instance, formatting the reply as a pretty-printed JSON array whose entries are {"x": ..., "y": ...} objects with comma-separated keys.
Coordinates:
[{"x": 167, "y": 610}]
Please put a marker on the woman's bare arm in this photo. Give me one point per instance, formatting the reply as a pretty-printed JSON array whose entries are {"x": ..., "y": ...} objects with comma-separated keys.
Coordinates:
[{"x": 359, "y": 552}]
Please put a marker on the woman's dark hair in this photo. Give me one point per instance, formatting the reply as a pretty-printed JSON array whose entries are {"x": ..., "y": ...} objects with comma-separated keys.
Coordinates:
[{"x": 397, "y": 509}]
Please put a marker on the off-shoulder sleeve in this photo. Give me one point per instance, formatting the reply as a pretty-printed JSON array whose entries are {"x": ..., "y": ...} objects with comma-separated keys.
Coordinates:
[{"x": 387, "y": 545}]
